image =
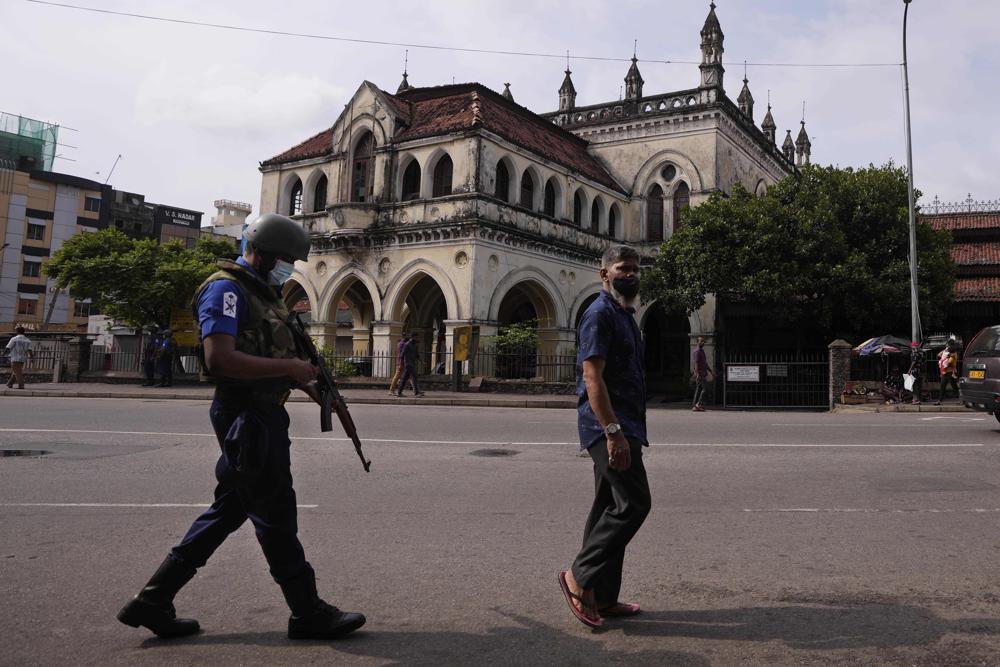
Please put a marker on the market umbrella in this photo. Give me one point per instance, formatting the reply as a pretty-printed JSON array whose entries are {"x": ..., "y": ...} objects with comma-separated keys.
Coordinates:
[{"x": 886, "y": 344}]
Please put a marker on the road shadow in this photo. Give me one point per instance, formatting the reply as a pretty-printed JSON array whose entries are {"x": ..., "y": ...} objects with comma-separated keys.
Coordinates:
[
  {"x": 529, "y": 642},
  {"x": 811, "y": 626}
]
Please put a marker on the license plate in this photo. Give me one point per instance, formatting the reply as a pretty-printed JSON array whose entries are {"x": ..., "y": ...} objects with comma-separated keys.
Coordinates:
[{"x": 977, "y": 375}]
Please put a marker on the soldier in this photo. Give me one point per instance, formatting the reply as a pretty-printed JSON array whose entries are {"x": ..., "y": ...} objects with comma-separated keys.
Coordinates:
[{"x": 250, "y": 352}]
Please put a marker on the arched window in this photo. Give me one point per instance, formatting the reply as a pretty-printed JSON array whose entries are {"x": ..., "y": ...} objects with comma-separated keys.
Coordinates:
[
  {"x": 411, "y": 181},
  {"x": 654, "y": 214},
  {"x": 577, "y": 208},
  {"x": 682, "y": 199},
  {"x": 595, "y": 217},
  {"x": 612, "y": 221},
  {"x": 295, "y": 199},
  {"x": 442, "y": 177},
  {"x": 527, "y": 190},
  {"x": 363, "y": 172},
  {"x": 503, "y": 181},
  {"x": 549, "y": 203},
  {"x": 319, "y": 194}
]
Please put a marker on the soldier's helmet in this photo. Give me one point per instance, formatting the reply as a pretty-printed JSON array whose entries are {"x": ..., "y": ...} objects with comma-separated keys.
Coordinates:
[{"x": 279, "y": 235}]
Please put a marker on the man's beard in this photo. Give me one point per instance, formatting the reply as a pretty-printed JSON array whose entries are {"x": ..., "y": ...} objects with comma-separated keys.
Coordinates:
[{"x": 623, "y": 300}]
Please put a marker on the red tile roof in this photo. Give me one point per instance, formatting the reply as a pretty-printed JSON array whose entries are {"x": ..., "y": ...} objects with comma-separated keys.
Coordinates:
[
  {"x": 315, "y": 146},
  {"x": 977, "y": 289},
  {"x": 986, "y": 252},
  {"x": 426, "y": 112},
  {"x": 952, "y": 221}
]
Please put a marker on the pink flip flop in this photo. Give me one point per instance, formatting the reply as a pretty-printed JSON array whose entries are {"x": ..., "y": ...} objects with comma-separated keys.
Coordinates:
[
  {"x": 620, "y": 610},
  {"x": 570, "y": 596}
]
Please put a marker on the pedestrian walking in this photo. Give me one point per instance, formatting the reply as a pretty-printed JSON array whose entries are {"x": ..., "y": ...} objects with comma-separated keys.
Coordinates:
[
  {"x": 254, "y": 375},
  {"x": 399, "y": 363},
  {"x": 611, "y": 419},
  {"x": 150, "y": 352},
  {"x": 948, "y": 367},
  {"x": 19, "y": 350},
  {"x": 410, "y": 354},
  {"x": 165, "y": 359},
  {"x": 701, "y": 371}
]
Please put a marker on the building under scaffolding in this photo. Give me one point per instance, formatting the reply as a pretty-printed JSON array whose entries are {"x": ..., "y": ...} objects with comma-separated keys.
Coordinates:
[{"x": 29, "y": 143}]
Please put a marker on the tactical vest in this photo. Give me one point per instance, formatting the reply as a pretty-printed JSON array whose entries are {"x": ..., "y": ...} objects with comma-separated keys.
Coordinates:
[{"x": 265, "y": 332}]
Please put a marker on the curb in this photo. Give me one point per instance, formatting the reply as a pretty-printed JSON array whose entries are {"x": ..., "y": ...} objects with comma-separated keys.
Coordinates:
[
  {"x": 358, "y": 400},
  {"x": 902, "y": 408}
]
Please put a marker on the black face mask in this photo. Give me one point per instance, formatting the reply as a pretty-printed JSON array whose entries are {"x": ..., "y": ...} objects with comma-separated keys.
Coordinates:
[{"x": 628, "y": 287}]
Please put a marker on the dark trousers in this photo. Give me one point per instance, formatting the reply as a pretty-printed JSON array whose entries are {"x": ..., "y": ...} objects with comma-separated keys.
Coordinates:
[
  {"x": 946, "y": 379},
  {"x": 409, "y": 373},
  {"x": 621, "y": 503},
  {"x": 700, "y": 389},
  {"x": 166, "y": 367},
  {"x": 268, "y": 501},
  {"x": 149, "y": 368}
]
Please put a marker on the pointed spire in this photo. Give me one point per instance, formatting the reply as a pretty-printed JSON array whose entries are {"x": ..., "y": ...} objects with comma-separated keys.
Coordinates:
[
  {"x": 788, "y": 147},
  {"x": 745, "y": 100},
  {"x": 404, "y": 84},
  {"x": 711, "y": 51},
  {"x": 768, "y": 125},
  {"x": 506, "y": 92},
  {"x": 633, "y": 79},
  {"x": 567, "y": 93},
  {"x": 803, "y": 147}
]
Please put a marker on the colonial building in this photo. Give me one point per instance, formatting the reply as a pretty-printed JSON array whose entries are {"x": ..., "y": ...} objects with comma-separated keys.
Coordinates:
[{"x": 453, "y": 205}]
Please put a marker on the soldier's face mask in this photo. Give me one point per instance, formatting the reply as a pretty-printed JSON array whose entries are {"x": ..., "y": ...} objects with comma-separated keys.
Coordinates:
[{"x": 281, "y": 272}]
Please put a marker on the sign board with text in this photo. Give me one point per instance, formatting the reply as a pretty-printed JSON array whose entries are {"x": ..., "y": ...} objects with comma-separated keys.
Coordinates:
[
  {"x": 743, "y": 373},
  {"x": 184, "y": 327},
  {"x": 462, "y": 346}
]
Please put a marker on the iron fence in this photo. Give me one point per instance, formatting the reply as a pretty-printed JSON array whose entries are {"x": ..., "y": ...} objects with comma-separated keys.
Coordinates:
[
  {"x": 776, "y": 380},
  {"x": 120, "y": 361},
  {"x": 512, "y": 364},
  {"x": 970, "y": 205},
  {"x": 42, "y": 360}
]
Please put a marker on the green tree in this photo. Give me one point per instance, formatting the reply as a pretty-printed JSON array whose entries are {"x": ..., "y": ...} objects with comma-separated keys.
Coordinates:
[
  {"x": 136, "y": 282},
  {"x": 827, "y": 247}
]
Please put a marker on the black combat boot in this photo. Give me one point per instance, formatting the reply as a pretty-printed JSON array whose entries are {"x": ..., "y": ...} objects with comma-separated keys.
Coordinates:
[
  {"x": 311, "y": 617},
  {"x": 153, "y": 607}
]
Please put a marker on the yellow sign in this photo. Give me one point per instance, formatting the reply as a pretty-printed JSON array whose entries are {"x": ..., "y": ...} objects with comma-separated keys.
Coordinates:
[
  {"x": 184, "y": 327},
  {"x": 463, "y": 343}
]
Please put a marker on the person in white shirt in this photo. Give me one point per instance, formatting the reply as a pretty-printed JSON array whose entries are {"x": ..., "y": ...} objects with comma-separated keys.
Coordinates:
[{"x": 19, "y": 349}]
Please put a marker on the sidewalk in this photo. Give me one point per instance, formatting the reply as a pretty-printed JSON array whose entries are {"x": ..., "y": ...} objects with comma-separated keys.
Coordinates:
[
  {"x": 203, "y": 392},
  {"x": 950, "y": 405}
]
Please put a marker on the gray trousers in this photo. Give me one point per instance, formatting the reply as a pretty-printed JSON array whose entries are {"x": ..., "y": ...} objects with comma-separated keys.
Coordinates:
[
  {"x": 621, "y": 503},
  {"x": 700, "y": 389}
]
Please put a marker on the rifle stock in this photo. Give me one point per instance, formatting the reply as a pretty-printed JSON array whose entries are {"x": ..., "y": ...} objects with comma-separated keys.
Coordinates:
[{"x": 330, "y": 398}]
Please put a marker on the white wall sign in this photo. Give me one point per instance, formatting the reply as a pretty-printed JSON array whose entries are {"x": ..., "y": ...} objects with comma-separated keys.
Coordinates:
[{"x": 743, "y": 373}]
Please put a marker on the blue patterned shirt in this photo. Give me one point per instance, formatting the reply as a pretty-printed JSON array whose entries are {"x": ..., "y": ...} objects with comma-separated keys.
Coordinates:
[{"x": 608, "y": 331}]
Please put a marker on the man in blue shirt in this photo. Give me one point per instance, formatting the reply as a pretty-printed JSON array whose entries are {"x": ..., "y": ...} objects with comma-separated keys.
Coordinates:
[{"x": 611, "y": 419}]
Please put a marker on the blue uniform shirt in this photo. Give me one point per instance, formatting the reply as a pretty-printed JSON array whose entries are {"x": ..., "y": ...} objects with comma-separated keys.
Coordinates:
[
  {"x": 222, "y": 307},
  {"x": 608, "y": 331}
]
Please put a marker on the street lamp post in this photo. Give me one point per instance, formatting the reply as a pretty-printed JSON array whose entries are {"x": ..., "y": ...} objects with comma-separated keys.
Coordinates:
[{"x": 915, "y": 333}]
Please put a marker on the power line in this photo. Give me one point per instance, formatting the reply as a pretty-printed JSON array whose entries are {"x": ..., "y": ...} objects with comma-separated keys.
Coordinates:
[{"x": 435, "y": 47}]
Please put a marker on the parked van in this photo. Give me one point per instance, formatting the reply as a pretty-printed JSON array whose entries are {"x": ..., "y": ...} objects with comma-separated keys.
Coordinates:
[{"x": 979, "y": 384}]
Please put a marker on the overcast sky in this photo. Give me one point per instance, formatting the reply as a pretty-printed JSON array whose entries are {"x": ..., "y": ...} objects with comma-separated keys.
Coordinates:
[{"x": 193, "y": 110}]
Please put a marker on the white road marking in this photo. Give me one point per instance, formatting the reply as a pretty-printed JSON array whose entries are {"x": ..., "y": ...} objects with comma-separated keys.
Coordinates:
[
  {"x": 874, "y": 510},
  {"x": 936, "y": 445},
  {"x": 114, "y": 505},
  {"x": 910, "y": 425},
  {"x": 964, "y": 419}
]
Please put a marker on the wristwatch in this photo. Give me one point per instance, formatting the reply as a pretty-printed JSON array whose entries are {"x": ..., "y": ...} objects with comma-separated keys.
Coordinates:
[{"x": 611, "y": 429}]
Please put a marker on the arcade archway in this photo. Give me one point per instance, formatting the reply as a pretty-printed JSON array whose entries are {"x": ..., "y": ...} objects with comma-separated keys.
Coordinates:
[{"x": 668, "y": 352}]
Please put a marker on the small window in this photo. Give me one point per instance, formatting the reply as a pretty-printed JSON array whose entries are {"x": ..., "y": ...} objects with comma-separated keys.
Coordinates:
[
  {"x": 442, "y": 177},
  {"x": 549, "y": 201},
  {"x": 654, "y": 214},
  {"x": 527, "y": 190},
  {"x": 295, "y": 202},
  {"x": 319, "y": 194},
  {"x": 668, "y": 173},
  {"x": 36, "y": 232},
  {"x": 26, "y": 306},
  {"x": 411, "y": 181},
  {"x": 503, "y": 182},
  {"x": 595, "y": 217},
  {"x": 612, "y": 221},
  {"x": 92, "y": 204},
  {"x": 31, "y": 269},
  {"x": 577, "y": 209},
  {"x": 82, "y": 309}
]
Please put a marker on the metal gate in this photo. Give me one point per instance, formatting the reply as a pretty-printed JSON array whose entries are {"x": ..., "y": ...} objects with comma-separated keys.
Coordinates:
[{"x": 776, "y": 380}]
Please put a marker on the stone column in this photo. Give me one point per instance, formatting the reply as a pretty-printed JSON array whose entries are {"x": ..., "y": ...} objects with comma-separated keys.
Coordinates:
[
  {"x": 555, "y": 345},
  {"x": 385, "y": 336},
  {"x": 840, "y": 368},
  {"x": 77, "y": 359},
  {"x": 359, "y": 344},
  {"x": 324, "y": 333}
]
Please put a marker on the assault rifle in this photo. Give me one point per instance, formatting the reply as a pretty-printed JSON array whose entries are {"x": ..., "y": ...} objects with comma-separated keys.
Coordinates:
[{"x": 330, "y": 399}]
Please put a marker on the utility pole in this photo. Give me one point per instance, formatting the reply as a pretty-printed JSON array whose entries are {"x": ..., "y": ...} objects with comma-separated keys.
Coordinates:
[{"x": 915, "y": 334}]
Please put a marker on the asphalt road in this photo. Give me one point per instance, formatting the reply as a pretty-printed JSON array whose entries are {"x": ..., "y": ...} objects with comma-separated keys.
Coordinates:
[{"x": 775, "y": 538}]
